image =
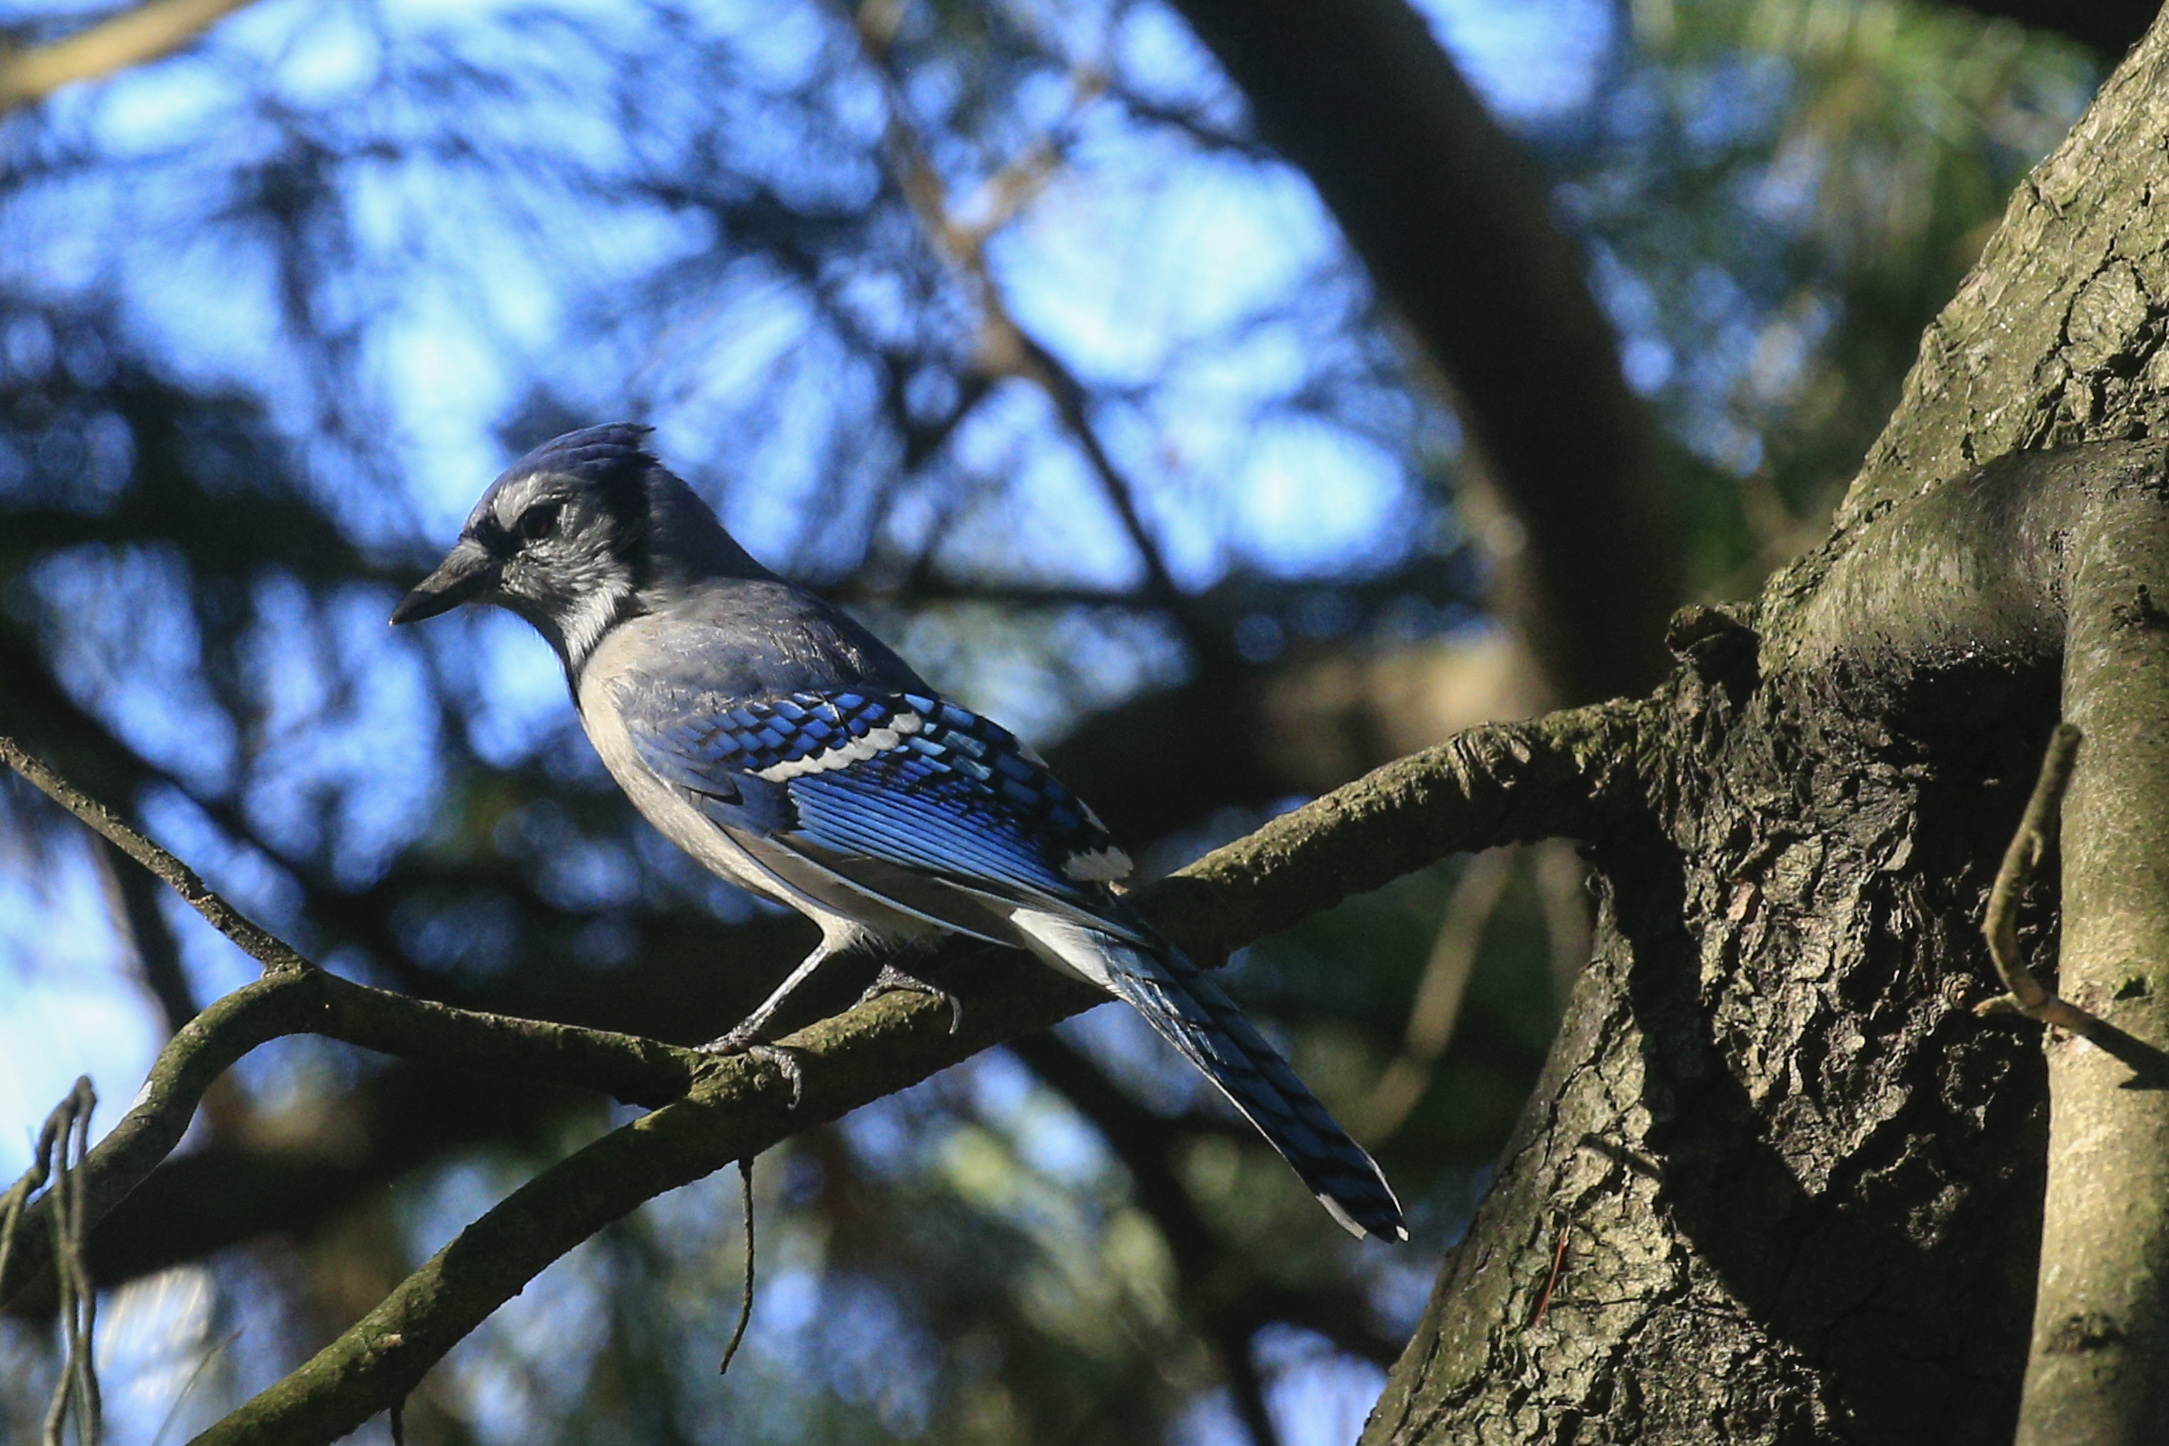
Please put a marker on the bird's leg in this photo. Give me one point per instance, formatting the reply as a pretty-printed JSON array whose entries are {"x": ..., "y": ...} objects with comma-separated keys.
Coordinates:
[
  {"x": 744, "y": 1037},
  {"x": 894, "y": 977},
  {"x": 747, "y": 1031}
]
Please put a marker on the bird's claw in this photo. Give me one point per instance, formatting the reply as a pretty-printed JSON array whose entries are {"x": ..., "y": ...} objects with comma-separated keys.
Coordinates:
[
  {"x": 892, "y": 979},
  {"x": 782, "y": 1058}
]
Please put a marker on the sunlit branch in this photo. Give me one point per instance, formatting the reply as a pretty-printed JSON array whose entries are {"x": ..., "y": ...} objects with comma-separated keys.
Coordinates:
[
  {"x": 130, "y": 38},
  {"x": 259, "y": 945}
]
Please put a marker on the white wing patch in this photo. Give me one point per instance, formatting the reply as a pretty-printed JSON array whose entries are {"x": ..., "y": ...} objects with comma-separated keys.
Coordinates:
[
  {"x": 1099, "y": 866},
  {"x": 858, "y": 750}
]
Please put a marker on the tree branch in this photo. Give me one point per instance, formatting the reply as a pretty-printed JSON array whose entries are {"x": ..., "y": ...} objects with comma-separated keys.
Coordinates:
[
  {"x": 1561, "y": 774},
  {"x": 1455, "y": 228},
  {"x": 310, "y": 1001},
  {"x": 130, "y": 38},
  {"x": 259, "y": 945},
  {"x": 1310, "y": 722},
  {"x": 2040, "y": 559},
  {"x": 2098, "y": 1371}
]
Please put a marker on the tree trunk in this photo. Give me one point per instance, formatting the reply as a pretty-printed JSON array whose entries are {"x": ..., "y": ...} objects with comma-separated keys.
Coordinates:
[{"x": 1779, "y": 1184}]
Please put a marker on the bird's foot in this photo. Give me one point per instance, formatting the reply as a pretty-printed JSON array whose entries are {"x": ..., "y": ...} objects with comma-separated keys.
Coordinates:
[
  {"x": 892, "y": 979},
  {"x": 748, "y": 1042}
]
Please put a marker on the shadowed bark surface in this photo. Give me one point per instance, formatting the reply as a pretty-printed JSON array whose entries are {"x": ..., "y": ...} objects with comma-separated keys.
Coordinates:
[
  {"x": 1779, "y": 1184},
  {"x": 1797, "y": 1183}
]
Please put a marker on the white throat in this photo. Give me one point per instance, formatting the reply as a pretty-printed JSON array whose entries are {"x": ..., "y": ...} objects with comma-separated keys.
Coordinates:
[{"x": 582, "y": 625}]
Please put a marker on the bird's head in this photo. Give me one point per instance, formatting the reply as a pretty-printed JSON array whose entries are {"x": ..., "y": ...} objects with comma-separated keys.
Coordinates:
[{"x": 586, "y": 530}]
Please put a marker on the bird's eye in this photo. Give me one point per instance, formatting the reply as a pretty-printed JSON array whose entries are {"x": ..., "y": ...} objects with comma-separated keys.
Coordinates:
[{"x": 539, "y": 521}]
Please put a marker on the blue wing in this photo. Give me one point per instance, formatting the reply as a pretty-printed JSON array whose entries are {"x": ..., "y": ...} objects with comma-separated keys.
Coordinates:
[{"x": 904, "y": 779}]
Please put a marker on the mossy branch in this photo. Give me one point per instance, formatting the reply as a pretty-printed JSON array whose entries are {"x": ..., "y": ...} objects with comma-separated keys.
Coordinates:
[{"x": 1558, "y": 776}]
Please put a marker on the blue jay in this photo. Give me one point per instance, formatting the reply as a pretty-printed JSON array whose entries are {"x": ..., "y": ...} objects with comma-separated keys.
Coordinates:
[{"x": 781, "y": 744}]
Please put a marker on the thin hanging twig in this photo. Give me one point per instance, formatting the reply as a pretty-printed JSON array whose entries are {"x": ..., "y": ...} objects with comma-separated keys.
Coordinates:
[
  {"x": 745, "y": 1303},
  {"x": 2028, "y": 996},
  {"x": 62, "y": 1144}
]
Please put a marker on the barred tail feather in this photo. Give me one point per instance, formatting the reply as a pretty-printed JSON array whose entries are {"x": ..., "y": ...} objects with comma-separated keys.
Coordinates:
[{"x": 1188, "y": 1010}]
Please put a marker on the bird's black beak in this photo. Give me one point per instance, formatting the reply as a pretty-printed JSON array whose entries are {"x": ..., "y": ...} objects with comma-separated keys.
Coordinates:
[{"x": 466, "y": 573}]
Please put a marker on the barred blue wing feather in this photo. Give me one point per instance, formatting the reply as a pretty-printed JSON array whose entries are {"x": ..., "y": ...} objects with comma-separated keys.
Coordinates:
[
  {"x": 1189, "y": 1011},
  {"x": 905, "y": 779}
]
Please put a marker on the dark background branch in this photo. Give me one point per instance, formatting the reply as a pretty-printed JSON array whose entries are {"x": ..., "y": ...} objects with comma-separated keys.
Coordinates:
[{"x": 1455, "y": 227}]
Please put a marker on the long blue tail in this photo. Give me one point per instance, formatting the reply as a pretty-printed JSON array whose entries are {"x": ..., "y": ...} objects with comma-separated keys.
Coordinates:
[{"x": 1181, "y": 1002}]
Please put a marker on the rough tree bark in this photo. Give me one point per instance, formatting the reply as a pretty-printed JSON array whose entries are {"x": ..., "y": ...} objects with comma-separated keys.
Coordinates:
[{"x": 1779, "y": 1184}]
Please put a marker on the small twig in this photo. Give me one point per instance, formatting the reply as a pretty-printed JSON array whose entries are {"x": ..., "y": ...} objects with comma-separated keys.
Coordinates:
[
  {"x": 258, "y": 944},
  {"x": 1551, "y": 1282},
  {"x": 1005, "y": 347},
  {"x": 2027, "y": 995},
  {"x": 65, "y": 1139},
  {"x": 745, "y": 1302}
]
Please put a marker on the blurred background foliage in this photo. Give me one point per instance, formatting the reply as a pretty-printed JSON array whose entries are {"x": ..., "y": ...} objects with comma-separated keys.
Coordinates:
[{"x": 996, "y": 320}]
